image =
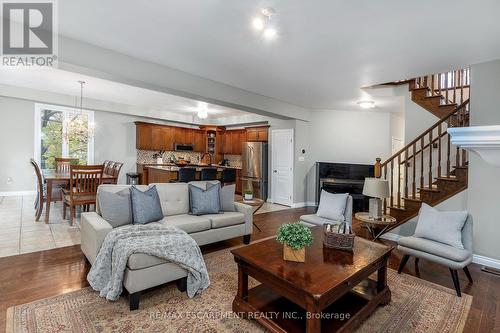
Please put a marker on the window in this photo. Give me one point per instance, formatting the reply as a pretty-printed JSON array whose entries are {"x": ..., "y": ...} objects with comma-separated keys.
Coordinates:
[{"x": 61, "y": 131}]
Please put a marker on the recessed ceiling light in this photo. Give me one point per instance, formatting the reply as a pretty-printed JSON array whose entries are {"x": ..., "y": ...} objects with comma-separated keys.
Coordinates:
[
  {"x": 258, "y": 23},
  {"x": 270, "y": 33},
  {"x": 268, "y": 12},
  {"x": 366, "y": 104}
]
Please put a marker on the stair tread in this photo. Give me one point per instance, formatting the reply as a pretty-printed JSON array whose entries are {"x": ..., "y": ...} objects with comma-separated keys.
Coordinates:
[
  {"x": 434, "y": 96},
  {"x": 446, "y": 105},
  {"x": 416, "y": 199},
  {"x": 429, "y": 189},
  {"x": 451, "y": 178}
]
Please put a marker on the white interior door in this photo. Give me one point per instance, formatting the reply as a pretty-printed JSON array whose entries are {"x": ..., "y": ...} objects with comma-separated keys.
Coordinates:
[{"x": 282, "y": 166}]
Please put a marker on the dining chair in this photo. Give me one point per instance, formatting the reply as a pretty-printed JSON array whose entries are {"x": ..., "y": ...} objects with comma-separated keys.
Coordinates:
[
  {"x": 208, "y": 174},
  {"x": 41, "y": 191},
  {"x": 109, "y": 169},
  {"x": 63, "y": 163},
  {"x": 83, "y": 183},
  {"x": 115, "y": 172},
  {"x": 106, "y": 166}
]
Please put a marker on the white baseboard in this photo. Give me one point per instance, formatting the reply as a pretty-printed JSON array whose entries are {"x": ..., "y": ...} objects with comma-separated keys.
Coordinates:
[
  {"x": 476, "y": 258},
  {"x": 303, "y": 204},
  {"x": 489, "y": 262},
  {"x": 16, "y": 193}
]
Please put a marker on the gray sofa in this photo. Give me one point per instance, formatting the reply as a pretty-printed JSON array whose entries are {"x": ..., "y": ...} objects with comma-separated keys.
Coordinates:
[
  {"x": 313, "y": 219},
  {"x": 145, "y": 271}
]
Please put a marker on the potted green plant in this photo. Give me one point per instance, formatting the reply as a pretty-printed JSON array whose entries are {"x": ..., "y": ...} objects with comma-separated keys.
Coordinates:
[
  {"x": 294, "y": 237},
  {"x": 248, "y": 194}
]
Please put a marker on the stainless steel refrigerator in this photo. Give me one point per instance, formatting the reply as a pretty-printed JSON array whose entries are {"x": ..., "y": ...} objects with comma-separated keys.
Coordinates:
[{"x": 254, "y": 173}]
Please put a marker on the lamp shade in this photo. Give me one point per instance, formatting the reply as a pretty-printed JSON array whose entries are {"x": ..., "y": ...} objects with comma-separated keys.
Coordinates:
[{"x": 376, "y": 188}]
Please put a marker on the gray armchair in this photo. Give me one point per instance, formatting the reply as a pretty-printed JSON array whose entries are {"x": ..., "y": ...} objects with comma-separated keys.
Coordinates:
[
  {"x": 449, "y": 256},
  {"x": 313, "y": 219}
]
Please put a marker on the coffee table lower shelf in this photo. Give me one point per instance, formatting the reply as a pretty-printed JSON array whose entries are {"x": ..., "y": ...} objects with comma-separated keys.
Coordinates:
[{"x": 278, "y": 314}]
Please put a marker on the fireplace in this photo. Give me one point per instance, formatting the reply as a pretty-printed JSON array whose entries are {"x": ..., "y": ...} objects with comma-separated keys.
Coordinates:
[{"x": 344, "y": 178}]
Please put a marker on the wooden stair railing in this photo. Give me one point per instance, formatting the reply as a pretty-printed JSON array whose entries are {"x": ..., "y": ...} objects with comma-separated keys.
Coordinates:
[
  {"x": 441, "y": 93},
  {"x": 422, "y": 171}
]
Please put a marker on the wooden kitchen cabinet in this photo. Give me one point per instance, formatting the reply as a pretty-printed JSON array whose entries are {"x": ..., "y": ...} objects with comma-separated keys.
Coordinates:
[
  {"x": 200, "y": 141},
  {"x": 257, "y": 134},
  {"x": 168, "y": 134},
  {"x": 143, "y": 136}
]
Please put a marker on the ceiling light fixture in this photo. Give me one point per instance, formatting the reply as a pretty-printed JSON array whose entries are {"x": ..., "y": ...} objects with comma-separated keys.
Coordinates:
[
  {"x": 366, "y": 104},
  {"x": 202, "y": 110},
  {"x": 261, "y": 23}
]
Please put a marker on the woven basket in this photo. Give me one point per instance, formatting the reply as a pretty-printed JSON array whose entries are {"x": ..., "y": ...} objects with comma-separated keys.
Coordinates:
[{"x": 336, "y": 240}]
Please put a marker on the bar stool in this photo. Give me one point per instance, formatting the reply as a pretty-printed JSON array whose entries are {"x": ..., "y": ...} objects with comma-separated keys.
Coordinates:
[
  {"x": 208, "y": 174},
  {"x": 185, "y": 175},
  {"x": 228, "y": 176}
]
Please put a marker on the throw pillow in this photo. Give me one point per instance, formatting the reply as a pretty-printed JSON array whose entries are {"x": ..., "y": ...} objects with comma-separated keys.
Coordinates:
[
  {"x": 332, "y": 205},
  {"x": 146, "y": 205},
  {"x": 116, "y": 208},
  {"x": 227, "y": 197},
  {"x": 204, "y": 201},
  {"x": 440, "y": 226}
]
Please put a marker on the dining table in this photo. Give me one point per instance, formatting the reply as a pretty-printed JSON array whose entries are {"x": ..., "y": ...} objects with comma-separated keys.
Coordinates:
[{"x": 53, "y": 178}]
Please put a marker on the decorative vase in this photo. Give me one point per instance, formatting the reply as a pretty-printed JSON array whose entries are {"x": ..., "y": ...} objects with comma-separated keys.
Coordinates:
[
  {"x": 294, "y": 255},
  {"x": 159, "y": 160},
  {"x": 248, "y": 196}
]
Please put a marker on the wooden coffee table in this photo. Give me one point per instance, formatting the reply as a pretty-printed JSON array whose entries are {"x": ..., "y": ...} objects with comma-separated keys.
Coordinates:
[{"x": 330, "y": 292}]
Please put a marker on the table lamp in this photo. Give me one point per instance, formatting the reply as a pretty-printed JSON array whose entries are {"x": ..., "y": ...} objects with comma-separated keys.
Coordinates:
[{"x": 376, "y": 188}]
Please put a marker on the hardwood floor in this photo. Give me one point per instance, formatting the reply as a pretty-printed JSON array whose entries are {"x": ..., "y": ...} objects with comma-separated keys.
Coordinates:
[{"x": 33, "y": 276}]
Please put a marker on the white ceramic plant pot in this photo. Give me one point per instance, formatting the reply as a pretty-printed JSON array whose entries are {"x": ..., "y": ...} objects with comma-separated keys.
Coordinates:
[
  {"x": 159, "y": 160},
  {"x": 248, "y": 196}
]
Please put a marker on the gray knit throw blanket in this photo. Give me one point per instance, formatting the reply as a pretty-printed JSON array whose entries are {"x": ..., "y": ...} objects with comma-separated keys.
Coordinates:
[{"x": 169, "y": 243}]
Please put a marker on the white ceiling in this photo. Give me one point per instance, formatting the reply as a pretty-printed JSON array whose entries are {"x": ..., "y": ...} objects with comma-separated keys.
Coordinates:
[
  {"x": 325, "y": 50},
  {"x": 145, "y": 101}
]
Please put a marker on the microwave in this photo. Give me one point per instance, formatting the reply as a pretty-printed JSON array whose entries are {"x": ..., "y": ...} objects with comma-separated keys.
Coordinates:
[{"x": 183, "y": 147}]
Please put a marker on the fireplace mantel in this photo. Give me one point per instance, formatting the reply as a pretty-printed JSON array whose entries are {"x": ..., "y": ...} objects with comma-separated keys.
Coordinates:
[{"x": 482, "y": 140}]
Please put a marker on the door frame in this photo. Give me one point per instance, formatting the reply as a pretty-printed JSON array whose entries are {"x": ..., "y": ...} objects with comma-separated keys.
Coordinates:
[{"x": 273, "y": 162}]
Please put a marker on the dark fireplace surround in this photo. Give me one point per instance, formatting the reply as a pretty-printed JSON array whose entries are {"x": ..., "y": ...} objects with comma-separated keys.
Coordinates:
[{"x": 344, "y": 178}]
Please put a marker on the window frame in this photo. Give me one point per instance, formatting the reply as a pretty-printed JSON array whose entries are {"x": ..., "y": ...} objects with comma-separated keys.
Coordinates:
[{"x": 39, "y": 107}]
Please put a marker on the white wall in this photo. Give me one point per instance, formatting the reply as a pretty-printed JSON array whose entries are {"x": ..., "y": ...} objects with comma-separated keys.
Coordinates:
[
  {"x": 16, "y": 145},
  {"x": 345, "y": 137},
  {"x": 484, "y": 179}
]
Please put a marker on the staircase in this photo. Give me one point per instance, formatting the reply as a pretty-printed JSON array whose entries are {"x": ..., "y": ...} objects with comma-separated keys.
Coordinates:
[{"x": 430, "y": 169}]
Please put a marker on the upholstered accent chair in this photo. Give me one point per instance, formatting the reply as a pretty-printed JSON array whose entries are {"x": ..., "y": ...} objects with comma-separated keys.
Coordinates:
[{"x": 452, "y": 257}]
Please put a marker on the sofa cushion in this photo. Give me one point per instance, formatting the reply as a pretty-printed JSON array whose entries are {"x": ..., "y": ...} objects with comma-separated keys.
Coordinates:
[
  {"x": 114, "y": 189},
  {"x": 188, "y": 223},
  {"x": 434, "y": 248},
  {"x": 441, "y": 226},
  {"x": 317, "y": 220},
  {"x": 225, "y": 220},
  {"x": 141, "y": 260},
  {"x": 116, "y": 208},
  {"x": 332, "y": 205},
  {"x": 204, "y": 201},
  {"x": 174, "y": 198},
  {"x": 146, "y": 206},
  {"x": 227, "y": 198}
]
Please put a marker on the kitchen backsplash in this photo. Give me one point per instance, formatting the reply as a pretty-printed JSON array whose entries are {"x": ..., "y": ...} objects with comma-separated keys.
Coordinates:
[
  {"x": 234, "y": 160},
  {"x": 146, "y": 156}
]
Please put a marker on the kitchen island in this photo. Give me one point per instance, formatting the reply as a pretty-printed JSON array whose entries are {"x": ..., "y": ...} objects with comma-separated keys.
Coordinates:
[{"x": 164, "y": 173}]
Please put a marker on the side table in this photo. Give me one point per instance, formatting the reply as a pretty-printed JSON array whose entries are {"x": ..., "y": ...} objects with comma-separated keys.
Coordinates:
[{"x": 371, "y": 224}]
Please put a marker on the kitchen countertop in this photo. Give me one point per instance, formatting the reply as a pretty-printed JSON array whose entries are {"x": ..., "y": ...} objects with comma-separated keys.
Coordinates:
[{"x": 173, "y": 167}]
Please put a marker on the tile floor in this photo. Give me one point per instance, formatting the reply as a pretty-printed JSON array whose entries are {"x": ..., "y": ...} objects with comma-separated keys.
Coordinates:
[{"x": 20, "y": 233}]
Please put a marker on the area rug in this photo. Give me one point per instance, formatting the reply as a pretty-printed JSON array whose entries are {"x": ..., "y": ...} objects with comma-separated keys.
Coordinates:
[{"x": 416, "y": 306}]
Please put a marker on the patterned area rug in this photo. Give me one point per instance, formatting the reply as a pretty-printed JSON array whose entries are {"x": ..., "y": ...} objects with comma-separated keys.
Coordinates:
[{"x": 416, "y": 306}]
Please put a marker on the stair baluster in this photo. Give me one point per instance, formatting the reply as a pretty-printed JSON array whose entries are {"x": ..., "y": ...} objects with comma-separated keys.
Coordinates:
[{"x": 434, "y": 186}]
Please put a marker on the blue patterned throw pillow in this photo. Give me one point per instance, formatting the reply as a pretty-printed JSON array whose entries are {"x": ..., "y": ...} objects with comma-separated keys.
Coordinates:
[
  {"x": 146, "y": 205},
  {"x": 204, "y": 201}
]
